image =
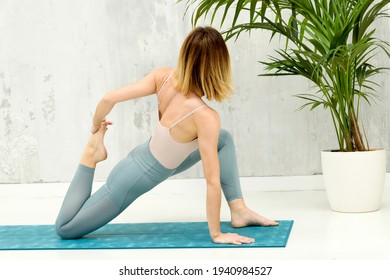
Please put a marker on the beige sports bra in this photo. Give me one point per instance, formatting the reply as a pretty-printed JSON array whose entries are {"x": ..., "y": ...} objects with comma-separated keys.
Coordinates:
[{"x": 167, "y": 150}]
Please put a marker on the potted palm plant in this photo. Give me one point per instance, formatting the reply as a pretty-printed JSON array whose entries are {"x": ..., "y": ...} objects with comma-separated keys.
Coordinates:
[{"x": 332, "y": 44}]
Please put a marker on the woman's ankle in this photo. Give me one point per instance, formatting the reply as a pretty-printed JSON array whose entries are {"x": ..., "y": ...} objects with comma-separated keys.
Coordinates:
[
  {"x": 237, "y": 205},
  {"x": 88, "y": 161}
]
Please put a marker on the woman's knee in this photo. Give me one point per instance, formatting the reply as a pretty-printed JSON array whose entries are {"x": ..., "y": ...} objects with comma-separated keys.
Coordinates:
[
  {"x": 65, "y": 233},
  {"x": 67, "y": 230},
  {"x": 225, "y": 137}
]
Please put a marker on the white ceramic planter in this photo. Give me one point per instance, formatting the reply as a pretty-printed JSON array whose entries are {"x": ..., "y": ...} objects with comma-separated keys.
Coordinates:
[{"x": 354, "y": 181}]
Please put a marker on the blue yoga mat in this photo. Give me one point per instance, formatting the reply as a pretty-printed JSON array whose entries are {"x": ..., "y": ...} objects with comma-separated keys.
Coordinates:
[{"x": 139, "y": 236}]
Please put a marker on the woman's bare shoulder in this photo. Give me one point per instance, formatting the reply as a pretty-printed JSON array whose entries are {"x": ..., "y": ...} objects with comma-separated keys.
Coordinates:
[
  {"x": 207, "y": 118},
  {"x": 160, "y": 74},
  {"x": 163, "y": 72}
]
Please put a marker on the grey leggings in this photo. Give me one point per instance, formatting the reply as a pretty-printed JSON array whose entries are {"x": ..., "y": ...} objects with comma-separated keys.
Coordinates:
[{"x": 82, "y": 213}]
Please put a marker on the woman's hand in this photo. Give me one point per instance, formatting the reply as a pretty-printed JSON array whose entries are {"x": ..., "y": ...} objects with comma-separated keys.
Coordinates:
[
  {"x": 95, "y": 128},
  {"x": 232, "y": 238}
]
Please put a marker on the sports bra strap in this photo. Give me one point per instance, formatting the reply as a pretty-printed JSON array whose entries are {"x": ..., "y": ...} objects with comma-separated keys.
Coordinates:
[
  {"x": 165, "y": 81},
  {"x": 187, "y": 115}
]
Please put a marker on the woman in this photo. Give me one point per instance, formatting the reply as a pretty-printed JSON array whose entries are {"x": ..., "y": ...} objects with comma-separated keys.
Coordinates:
[{"x": 188, "y": 131}]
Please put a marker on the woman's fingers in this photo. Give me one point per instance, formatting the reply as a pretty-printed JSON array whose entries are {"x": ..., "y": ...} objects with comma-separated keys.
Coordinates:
[
  {"x": 95, "y": 129},
  {"x": 233, "y": 238},
  {"x": 243, "y": 239}
]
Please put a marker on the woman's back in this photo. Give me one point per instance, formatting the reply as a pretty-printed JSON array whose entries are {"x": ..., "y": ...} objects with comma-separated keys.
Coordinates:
[
  {"x": 175, "y": 136},
  {"x": 174, "y": 107}
]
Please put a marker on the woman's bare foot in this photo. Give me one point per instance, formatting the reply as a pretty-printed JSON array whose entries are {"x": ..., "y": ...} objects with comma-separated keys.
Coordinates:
[
  {"x": 242, "y": 216},
  {"x": 95, "y": 151}
]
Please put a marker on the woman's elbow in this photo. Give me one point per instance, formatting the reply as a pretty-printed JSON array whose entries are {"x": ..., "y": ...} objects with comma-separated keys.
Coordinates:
[{"x": 108, "y": 100}]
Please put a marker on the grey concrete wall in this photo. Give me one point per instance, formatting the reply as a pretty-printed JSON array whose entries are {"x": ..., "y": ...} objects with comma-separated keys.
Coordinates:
[{"x": 57, "y": 59}]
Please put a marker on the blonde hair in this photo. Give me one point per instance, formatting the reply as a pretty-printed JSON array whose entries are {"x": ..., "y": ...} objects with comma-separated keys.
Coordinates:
[{"x": 204, "y": 65}]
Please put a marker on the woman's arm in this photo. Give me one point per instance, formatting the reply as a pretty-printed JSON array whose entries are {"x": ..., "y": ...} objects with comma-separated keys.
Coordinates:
[
  {"x": 208, "y": 125},
  {"x": 143, "y": 87}
]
